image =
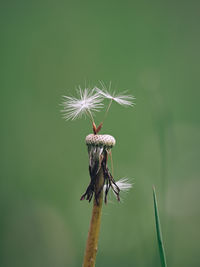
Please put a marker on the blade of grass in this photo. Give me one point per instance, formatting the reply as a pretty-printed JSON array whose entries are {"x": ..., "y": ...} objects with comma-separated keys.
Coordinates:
[{"x": 158, "y": 231}]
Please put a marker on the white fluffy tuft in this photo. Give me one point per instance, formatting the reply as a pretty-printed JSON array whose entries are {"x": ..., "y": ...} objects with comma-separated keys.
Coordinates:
[
  {"x": 122, "y": 98},
  {"x": 124, "y": 184},
  {"x": 88, "y": 102}
]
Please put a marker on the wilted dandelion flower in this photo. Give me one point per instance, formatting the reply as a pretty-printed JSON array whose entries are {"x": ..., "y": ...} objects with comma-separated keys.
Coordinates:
[{"x": 99, "y": 146}]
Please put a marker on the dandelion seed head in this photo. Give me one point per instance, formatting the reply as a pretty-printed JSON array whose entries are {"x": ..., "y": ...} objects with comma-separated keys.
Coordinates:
[{"x": 99, "y": 147}]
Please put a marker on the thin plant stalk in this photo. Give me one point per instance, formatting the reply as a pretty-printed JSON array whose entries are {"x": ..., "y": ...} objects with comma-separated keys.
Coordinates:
[
  {"x": 93, "y": 234},
  {"x": 159, "y": 232}
]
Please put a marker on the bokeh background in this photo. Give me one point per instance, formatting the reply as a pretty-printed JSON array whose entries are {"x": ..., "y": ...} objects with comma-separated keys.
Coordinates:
[{"x": 48, "y": 48}]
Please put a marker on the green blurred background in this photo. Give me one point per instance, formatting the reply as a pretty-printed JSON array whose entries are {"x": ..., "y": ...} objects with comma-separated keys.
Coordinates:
[{"x": 150, "y": 48}]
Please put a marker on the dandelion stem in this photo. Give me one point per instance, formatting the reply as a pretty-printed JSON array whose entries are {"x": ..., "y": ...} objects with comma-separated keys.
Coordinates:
[{"x": 93, "y": 234}]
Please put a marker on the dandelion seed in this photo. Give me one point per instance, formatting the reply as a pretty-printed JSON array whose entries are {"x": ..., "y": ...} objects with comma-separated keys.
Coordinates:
[
  {"x": 122, "y": 98},
  {"x": 124, "y": 184},
  {"x": 87, "y": 103}
]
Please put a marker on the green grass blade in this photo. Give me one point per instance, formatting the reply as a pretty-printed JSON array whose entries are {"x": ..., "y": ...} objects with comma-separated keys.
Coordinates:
[{"x": 159, "y": 232}]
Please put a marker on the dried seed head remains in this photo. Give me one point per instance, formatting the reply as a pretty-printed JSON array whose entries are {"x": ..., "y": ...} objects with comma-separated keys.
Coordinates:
[
  {"x": 99, "y": 146},
  {"x": 105, "y": 140}
]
